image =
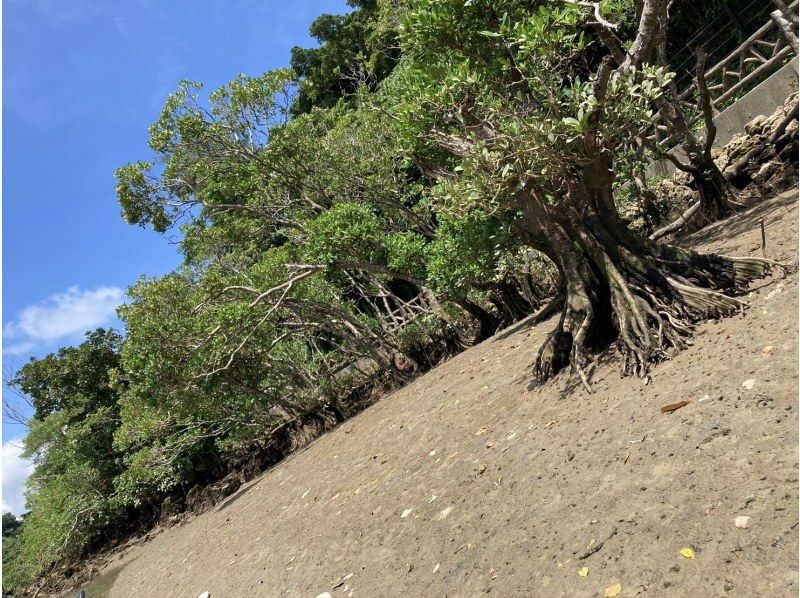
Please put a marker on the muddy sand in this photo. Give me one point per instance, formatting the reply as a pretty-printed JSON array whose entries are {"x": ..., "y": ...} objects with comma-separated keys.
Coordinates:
[{"x": 466, "y": 482}]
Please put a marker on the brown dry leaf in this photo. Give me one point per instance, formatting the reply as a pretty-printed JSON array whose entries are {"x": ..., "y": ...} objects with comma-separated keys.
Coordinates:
[
  {"x": 674, "y": 406},
  {"x": 612, "y": 591}
]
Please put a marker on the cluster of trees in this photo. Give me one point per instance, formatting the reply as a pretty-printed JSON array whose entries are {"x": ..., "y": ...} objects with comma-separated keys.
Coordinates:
[{"x": 458, "y": 156}]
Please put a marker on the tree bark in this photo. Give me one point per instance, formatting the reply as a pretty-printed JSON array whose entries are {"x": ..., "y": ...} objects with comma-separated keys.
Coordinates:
[
  {"x": 620, "y": 287},
  {"x": 487, "y": 323}
]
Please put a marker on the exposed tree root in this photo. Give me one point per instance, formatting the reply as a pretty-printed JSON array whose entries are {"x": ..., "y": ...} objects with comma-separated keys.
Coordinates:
[
  {"x": 678, "y": 223},
  {"x": 652, "y": 305}
]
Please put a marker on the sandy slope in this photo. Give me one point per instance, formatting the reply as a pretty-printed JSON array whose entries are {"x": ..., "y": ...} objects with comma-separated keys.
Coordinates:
[{"x": 396, "y": 498}]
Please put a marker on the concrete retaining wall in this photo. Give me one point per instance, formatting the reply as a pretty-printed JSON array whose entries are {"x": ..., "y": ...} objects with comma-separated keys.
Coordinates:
[{"x": 764, "y": 99}]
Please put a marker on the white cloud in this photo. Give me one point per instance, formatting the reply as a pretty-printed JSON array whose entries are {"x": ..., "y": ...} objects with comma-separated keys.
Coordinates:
[
  {"x": 62, "y": 315},
  {"x": 15, "y": 471},
  {"x": 22, "y": 348}
]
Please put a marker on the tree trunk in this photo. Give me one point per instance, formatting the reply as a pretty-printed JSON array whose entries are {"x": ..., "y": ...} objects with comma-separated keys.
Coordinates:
[
  {"x": 510, "y": 302},
  {"x": 620, "y": 287},
  {"x": 715, "y": 192},
  {"x": 487, "y": 323}
]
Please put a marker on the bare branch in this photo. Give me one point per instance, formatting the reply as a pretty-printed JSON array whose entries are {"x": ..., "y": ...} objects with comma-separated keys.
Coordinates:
[
  {"x": 704, "y": 101},
  {"x": 595, "y": 7}
]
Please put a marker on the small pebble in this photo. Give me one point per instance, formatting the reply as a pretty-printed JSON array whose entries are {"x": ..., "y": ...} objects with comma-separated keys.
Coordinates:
[{"x": 742, "y": 522}]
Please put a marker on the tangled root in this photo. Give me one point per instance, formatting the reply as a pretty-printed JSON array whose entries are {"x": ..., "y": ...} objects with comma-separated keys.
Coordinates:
[{"x": 653, "y": 316}]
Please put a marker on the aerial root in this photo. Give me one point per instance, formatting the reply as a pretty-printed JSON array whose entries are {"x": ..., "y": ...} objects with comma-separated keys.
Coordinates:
[
  {"x": 706, "y": 301},
  {"x": 583, "y": 378},
  {"x": 748, "y": 268}
]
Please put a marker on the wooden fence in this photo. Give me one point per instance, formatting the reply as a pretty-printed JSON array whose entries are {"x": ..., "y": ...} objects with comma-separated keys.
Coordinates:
[{"x": 756, "y": 58}]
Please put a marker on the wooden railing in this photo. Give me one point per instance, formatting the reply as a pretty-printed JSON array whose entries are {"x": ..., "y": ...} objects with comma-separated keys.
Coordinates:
[
  {"x": 758, "y": 56},
  {"x": 404, "y": 314}
]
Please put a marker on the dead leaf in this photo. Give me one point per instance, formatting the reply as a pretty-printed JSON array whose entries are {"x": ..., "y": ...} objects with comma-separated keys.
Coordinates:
[
  {"x": 612, "y": 591},
  {"x": 687, "y": 553},
  {"x": 489, "y": 444},
  {"x": 583, "y": 571},
  {"x": 625, "y": 460},
  {"x": 481, "y": 468},
  {"x": 674, "y": 406}
]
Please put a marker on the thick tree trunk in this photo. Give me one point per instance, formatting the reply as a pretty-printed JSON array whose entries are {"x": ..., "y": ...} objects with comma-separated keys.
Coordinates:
[{"x": 619, "y": 287}]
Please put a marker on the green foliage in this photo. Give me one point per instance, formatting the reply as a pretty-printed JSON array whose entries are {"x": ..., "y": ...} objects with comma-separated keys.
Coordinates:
[
  {"x": 11, "y": 525},
  {"x": 76, "y": 412},
  {"x": 487, "y": 81},
  {"x": 312, "y": 204},
  {"x": 355, "y": 48},
  {"x": 465, "y": 254}
]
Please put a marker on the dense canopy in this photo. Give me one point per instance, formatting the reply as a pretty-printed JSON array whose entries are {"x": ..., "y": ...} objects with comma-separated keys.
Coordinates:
[{"x": 433, "y": 171}]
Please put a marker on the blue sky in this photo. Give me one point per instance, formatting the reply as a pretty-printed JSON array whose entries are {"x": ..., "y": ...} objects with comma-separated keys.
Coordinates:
[{"x": 82, "y": 81}]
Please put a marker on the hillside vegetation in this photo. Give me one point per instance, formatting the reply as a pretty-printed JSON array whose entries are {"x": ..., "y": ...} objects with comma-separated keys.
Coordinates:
[
  {"x": 433, "y": 172},
  {"x": 470, "y": 482}
]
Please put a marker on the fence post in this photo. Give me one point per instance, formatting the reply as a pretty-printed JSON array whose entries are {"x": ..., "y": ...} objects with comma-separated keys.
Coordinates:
[{"x": 786, "y": 28}]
